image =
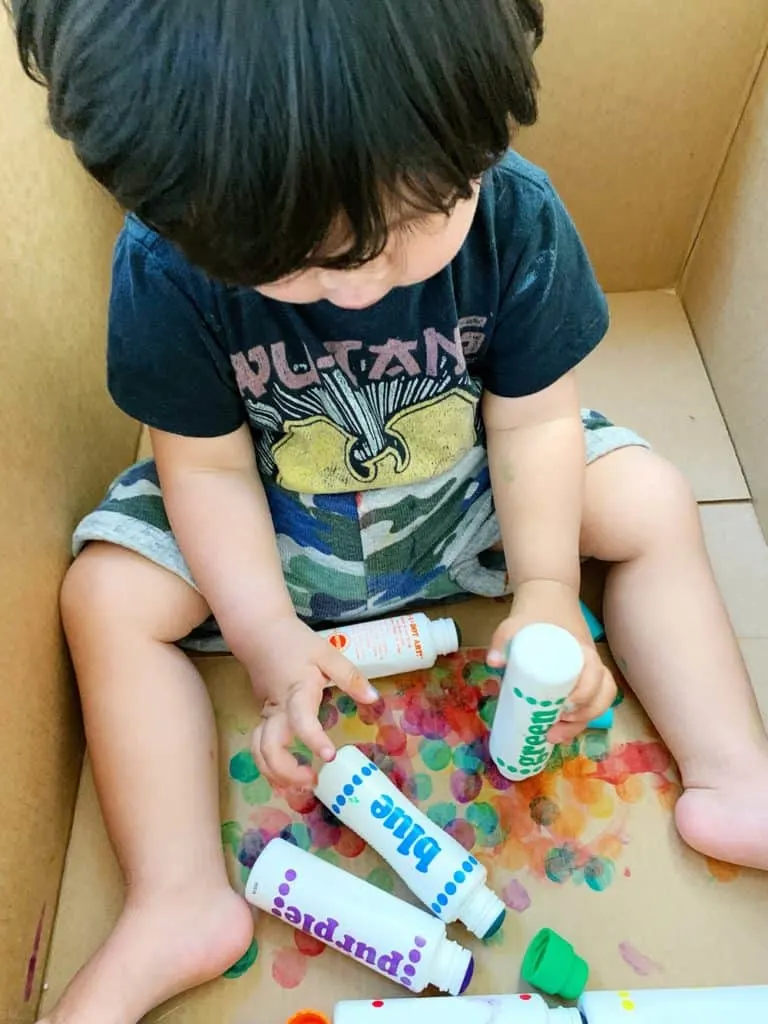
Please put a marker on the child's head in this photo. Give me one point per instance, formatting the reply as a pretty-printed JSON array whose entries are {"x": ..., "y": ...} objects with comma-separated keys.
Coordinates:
[{"x": 267, "y": 137}]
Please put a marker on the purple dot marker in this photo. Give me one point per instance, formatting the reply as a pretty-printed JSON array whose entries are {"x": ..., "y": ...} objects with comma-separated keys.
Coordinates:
[
  {"x": 284, "y": 889},
  {"x": 290, "y": 876},
  {"x": 410, "y": 970},
  {"x": 279, "y": 902},
  {"x": 414, "y": 956},
  {"x": 419, "y": 942}
]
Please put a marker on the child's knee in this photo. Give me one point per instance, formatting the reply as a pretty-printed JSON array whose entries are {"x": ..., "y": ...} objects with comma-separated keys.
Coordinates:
[
  {"x": 668, "y": 509},
  {"x": 110, "y": 587}
]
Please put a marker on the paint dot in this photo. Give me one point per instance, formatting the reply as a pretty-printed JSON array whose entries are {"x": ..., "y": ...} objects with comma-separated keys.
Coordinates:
[
  {"x": 473, "y": 861},
  {"x": 465, "y": 788},
  {"x": 246, "y": 961},
  {"x": 419, "y": 942},
  {"x": 526, "y": 998},
  {"x": 335, "y": 808},
  {"x": 356, "y": 780},
  {"x": 544, "y": 811},
  {"x": 559, "y": 703},
  {"x": 290, "y": 875},
  {"x": 531, "y": 701},
  {"x": 466, "y": 758},
  {"x": 308, "y": 944},
  {"x": 459, "y": 878},
  {"x": 378, "y": 1004},
  {"x": 346, "y": 705},
  {"x": 627, "y": 1004},
  {"x": 280, "y": 902},
  {"x": 546, "y": 703},
  {"x": 242, "y": 767},
  {"x": 407, "y": 982},
  {"x": 468, "y": 866},
  {"x": 599, "y": 873},
  {"x": 276, "y": 913},
  {"x": 341, "y": 800},
  {"x": 462, "y": 832},
  {"x": 488, "y": 710},
  {"x": 442, "y": 814},
  {"x": 437, "y": 908},
  {"x": 366, "y": 771},
  {"x": 392, "y": 740},
  {"x": 597, "y": 746},
  {"x": 374, "y": 767},
  {"x": 517, "y": 692},
  {"x": 435, "y": 754},
  {"x": 284, "y": 889},
  {"x": 442, "y": 899},
  {"x": 350, "y": 845},
  {"x": 414, "y": 956},
  {"x": 382, "y": 879},
  {"x": 484, "y": 818},
  {"x": 349, "y": 790},
  {"x": 257, "y": 793},
  {"x": 329, "y": 856},
  {"x": 450, "y": 889},
  {"x": 410, "y": 970},
  {"x": 419, "y": 787},
  {"x": 289, "y": 967}
]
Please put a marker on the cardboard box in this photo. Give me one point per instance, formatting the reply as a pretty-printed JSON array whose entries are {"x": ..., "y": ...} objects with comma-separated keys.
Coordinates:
[{"x": 654, "y": 127}]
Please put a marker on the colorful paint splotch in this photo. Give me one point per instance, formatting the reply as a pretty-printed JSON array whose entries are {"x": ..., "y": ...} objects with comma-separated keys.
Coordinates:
[
  {"x": 567, "y": 826},
  {"x": 642, "y": 965}
]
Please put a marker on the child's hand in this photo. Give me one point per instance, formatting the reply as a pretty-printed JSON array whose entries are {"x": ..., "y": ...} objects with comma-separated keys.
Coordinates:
[
  {"x": 558, "y": 604},
  {"x": 292, "y": 667}
]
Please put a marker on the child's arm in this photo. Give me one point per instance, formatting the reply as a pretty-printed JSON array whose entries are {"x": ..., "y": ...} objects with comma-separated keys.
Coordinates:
[
  {"x": 218, "y": 510},
  {"x": 537, "y": 463}
]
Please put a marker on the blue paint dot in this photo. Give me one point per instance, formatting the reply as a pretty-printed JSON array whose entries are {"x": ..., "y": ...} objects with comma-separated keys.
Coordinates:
[
  {"x": 468, "y": 866},
  {"x": 366, "y": 771},
  {"x": 450, "y": 889},
  {"x": 341, "y": 800},
  {"x": 357, "y": 780},
  {"x": 437, "y": 908},
  {"x": 334, "y": 808},
  {"x": 459, "y": 877},
  {"x": 349, "y": 790},
  {"x": 442, "y": 899},
  {"x": 374, "y": 767},
  {"x": 473, "y": 861}
]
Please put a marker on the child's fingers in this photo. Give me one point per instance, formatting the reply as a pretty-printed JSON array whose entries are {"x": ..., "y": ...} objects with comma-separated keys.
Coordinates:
[
  {"x": 342, "y": 673},
  {"x": 589, "y": 684},
  {"x": 272, "y": 757},
  {"x": 497, "y": 652},
  {"x": 576, "y": 722},
  {"x": 302, "y": 706}
]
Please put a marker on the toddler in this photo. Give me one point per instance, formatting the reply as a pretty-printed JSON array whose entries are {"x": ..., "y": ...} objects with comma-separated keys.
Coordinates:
[{"x": 350, "y": 316}]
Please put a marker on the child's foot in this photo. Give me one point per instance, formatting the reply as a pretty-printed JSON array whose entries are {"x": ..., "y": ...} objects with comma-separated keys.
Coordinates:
[
  {"x": 730, "y": 821},
  {"x": 161, "y": 946}
]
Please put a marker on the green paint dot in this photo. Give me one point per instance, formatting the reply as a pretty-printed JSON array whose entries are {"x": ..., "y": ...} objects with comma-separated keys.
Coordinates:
[
  {"x": 530, "y": 700},
  {"x": 525, "y": 771},
  {"x": 330, "y": 856},
  {"x": 517, "y": 692},
  {"x": 502, "y": 763},
  {"x": 300, "y": 833},
  {"x": 231, "y": 834},
  {"x": 245, "y": 963},
  {"x": 442, "y": 814},
  {"x": 346, "y": 705},
  {"x": 435, "y": 754},
  {"x": 242, "y": 767},
  {"x": 420, "y": 787},
  {"x": 258, "y": 792},
  {"x": 382, "y": 879},
  {"x": 599, "y": 873},
  {"x": 466, "y": 758},
  {"x": 477, "y": 673},
  {"x": 559, "y": 703},
  {"x": 483, "y": 817},
  {"x": 488, "y": 710},
  {"x": 596, "y": 746},
  {"x": 546, "y": 703}
]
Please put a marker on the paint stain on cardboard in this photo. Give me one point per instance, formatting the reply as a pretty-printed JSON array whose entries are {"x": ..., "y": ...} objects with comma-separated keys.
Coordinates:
[
  {"x": 642, "y": 965},
  {"x": 567, "y": 825},
  {"x": 29, "y": 983}
]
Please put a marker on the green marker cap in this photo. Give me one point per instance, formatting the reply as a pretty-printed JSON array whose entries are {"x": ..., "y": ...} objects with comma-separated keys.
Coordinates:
[{"x": 551, "y": 965}]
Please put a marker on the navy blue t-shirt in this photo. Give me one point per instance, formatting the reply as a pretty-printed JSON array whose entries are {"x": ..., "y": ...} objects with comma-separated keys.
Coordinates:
[{"x": 340, "y": 400}]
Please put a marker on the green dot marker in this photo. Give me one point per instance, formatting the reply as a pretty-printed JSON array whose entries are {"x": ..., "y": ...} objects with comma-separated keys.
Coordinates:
[{"x": 552, "y": 966}]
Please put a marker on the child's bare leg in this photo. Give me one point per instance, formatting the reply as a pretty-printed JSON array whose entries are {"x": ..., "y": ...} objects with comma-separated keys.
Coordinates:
[
  {"x": 670, "y": 633},
  {"x": 152, "y": 742}
]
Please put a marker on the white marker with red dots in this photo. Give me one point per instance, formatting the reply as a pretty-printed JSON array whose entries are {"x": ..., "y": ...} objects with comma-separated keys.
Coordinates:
[{"x": 664, "y": 1006}]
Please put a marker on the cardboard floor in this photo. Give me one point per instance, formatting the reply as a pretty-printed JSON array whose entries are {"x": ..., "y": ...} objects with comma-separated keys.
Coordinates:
[{"x": 589, "y": 849}]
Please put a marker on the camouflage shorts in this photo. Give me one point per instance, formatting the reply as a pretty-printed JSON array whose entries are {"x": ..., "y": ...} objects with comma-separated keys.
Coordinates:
[{"x": 350, "y": 556}]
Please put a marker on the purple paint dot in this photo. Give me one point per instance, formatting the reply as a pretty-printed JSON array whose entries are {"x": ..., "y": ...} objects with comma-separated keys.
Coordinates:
[
  {"x": 419, "y": 943},
  {"x": 284, "y": 889},
  {"x": 276, "y": 913},
  {"x": 410, "y": 970},
  {"x": 414, "y": 956},
  {"x": 290, "y": 876},
  {"x": 406, "y": 981},
  {"x": 279, "y": 901}
]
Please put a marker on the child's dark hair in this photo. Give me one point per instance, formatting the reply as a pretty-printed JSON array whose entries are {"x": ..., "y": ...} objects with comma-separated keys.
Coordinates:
[{"x": 247, "y": 130}]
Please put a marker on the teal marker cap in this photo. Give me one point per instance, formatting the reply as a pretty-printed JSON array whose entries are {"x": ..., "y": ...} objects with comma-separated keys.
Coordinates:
[{"x": 605, "y": 721}]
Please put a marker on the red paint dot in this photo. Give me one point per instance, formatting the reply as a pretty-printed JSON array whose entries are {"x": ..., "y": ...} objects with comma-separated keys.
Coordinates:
[
  {"x": 627, "y": 872},
  {"x": 308, "y": 944},
  {"x": 526, "y": 998},
  {"x": 289, "y": 968},
  {"x": 378, "y": 1004},
  {"x": 350, "y": 844},
  {"x": 392, "y": 740}
]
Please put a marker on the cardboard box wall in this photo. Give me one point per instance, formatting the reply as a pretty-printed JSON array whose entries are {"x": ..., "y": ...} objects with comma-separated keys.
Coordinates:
[{"x": 654, "y": 128}]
